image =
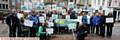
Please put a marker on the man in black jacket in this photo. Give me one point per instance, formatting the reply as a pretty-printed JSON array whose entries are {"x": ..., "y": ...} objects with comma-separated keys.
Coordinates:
[
  {"x": 73, "y": 15},
  {"x": 102, "y": 26},
  {"x": 13, "y": 22},
  {"x": 110, "y": 25}
]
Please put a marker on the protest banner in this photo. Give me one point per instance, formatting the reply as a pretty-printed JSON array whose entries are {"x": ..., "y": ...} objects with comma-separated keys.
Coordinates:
[
  {"x": 42, "y": 19},
  {"x": 54, "y": 16},
  {"x": 109, "y": 20},
  {"x": 72, "y": 25},
  {"x": 39, "y": 6},
  {"x": 71, "y": 5},
  {"x": 28, "y": 23},
  {"x": 49, "y": 31}
]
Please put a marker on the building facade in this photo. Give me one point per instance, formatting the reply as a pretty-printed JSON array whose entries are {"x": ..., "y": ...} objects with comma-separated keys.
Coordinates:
[{"x": 4, "y": 5}]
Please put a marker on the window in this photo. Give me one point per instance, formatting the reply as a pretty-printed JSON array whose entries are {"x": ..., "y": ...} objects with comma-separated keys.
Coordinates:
[
  {"x": 110, "y": 1},
  {"x": 99, "y": 1},
  {"x": 71, "y": 0},
  {"x": 0, "y": 6},
  {"x": 119, "y": 4},
  {"x": 5, "y": 0},
  {"x": 3, "y": 6},
  {"x": 103, "y": 2},
  {"x": 6, "y": 6}
]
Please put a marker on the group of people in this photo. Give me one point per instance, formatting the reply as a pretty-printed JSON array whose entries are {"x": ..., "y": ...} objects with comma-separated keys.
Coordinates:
[
  {"x": 98, "y": 21},
  {"x": 87, "y": 20}
]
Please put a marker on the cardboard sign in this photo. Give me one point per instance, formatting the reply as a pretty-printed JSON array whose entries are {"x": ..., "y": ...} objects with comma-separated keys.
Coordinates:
[
  {"x": 54, "y": 16},
  {"x": 50, "y": 24},
  {"x": 19, "y": 15},
  {"x": 49, "y": 30},
  {"x": 67, "y": 16},
  {"x": 42, "y": 19},
  {"x": 39, "y": 6},
  {"x": 71, "y": 5},
  {"x": 80, "y": 19},
  {"x": 28, "y": 23},
  {"x": 72, "y": 25},
  {"x": 109, "y": 20},
  {"x": 63, "y": 12}
]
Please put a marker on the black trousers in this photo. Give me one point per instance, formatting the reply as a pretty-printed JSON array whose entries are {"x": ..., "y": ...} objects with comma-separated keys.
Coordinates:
[
  {"x": 24, "y": 31},
  {"x": 97, "y": 29},
  {"x": 13, "y": 30},
  {"x": 109, "y": 29},
  {"x": 102, "y": 30},
  {"x": 93, "y": 30},
  {"x": 33, "y": 31},
  {"x": 80, "y": 36},
  {"x": 88, "y": 28}
]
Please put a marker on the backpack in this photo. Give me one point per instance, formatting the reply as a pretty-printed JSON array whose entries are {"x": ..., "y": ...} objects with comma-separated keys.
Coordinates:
[{"x": 8, "y": 20}]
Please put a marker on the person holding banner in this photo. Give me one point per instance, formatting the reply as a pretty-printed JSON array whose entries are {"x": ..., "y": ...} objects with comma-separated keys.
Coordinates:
[
  {"x": 109, "y": 24},
  {"x": 41, "y": 18},
  {"x": 26, "y": 23},
  {"x": 35, "y": 25}
]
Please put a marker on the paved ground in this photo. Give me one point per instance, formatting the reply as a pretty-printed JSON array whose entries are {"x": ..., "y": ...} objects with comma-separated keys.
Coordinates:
[{"x": 115, "y": 36}]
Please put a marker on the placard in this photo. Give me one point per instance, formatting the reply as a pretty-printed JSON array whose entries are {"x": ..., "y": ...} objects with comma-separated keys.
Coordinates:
[
  {"x": 39, "y": 6},
  {"x": 50, "y": 24},
  {"x": 109, "y": 20},
  {"x": 19, "y": 15},
  {"x": 49, "y": 30},
  {"x": 42, "y": 19},
  {"x": 72, "y": 25},
  {"x": 67, "y": 16},
  {"x": 28, "y": 23},
  {"x": 71, "y": 5},
  {"x": 80, "y": 19},
  {"x": 63, "y": 12},
  {"x": 54, "y": 16}
]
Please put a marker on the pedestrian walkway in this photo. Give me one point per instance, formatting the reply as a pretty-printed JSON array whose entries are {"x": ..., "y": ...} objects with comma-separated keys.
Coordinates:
[{"x": 4, "y": 30}]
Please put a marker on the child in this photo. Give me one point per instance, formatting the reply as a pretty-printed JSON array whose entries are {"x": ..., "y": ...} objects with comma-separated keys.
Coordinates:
[{"x": 41, "y": 32}]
